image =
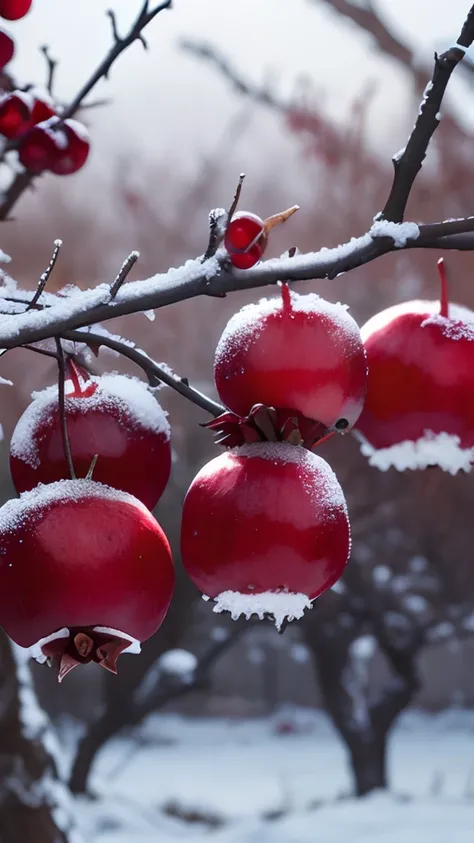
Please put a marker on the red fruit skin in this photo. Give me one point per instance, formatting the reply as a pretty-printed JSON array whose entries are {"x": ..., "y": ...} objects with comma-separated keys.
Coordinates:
[
  {"x": 74, "y": 155},
  {"x": 254, "y": 522},
  {"x": 241, "y": 232},
  {"x": 15, "y": 114},
  {"x": 420, "y": 375},
  {"x": 43, "y": 109},
  {"x": 7, "y": 49},
  {"x": 131, "y": 457},
  {"x": 302, "y": 353},
  {"x": 14, "y": 9},
  {"x": 79, "y": 554},
  {"x": 37, "y": 150}
]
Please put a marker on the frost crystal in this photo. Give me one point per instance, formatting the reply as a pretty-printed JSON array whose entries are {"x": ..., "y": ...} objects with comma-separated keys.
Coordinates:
[
  {"x": 441, "y": 449},
  {"x": 281, "y": 605}
]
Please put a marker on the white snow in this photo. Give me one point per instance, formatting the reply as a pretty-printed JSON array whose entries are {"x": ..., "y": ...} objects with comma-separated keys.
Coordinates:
[
  {"x": 178, "y": 662},
  {"x": 400, "y": 232},
  {"x": 129, "y": 396},
  {"x": 241, "y": 770},
  {"x": 36, "y": 650},
  {"x": 49, "y": 789},
  {"x": 4, "y": 258},
  {"x": 313, "y": 467},
  {"x": 415, "y": 603},
  {"x": 363, "y": 647},
  {"x": 18, "y": 512},
  {"x": 428, "y": 309},
  {"x": 244, "y": 327},
  {"x": 454, "y": 329},
  {"x": 441, "y": 449},
  {"x": 280, "y": 605},
  {"x": 5, "y": 382}
]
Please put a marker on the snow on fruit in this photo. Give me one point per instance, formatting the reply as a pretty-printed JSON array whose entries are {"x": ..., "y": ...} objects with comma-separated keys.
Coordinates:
[
  {"x": 265, "y": 530},
  {"x": 245, "y": 239},
  {"x": 113, "y": 416},
  {"x": 294, "y": 351},
  {"x": 85, "y": 573},
  {"x": 419, "y": 410}
]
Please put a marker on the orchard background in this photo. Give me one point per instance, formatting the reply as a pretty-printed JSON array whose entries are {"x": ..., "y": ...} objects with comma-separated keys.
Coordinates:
[{"x": 226, "y": 729}]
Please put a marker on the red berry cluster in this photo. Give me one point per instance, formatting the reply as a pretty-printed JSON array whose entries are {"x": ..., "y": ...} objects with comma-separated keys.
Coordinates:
[
  {"x": 85, "y": 569},
  {"x": 44, "y": 140}
]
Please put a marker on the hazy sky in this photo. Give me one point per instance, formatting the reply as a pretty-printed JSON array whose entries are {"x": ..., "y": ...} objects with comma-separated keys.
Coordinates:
[{"x": 164, "y": 99}]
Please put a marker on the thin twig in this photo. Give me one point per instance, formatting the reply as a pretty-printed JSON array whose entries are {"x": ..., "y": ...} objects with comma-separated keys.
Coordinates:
[
  {"x": 46, "y": 275},
  {"x": 236, "y": 199},
  {"x": 217, "y": 219},
  {"x": 409, "y": 163},
  {"x": 123, "y": 273},
  {"x": 151, "y": 369},
  {"x": 51, "y": 65},
  {"x": 62, "y": 407}
]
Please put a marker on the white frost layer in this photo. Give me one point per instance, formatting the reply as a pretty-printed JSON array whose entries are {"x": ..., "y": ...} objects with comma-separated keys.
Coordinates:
[
  {"x": 430, "y": 310},
  {"x": 5, "y": 382},
  {"x": 400, "y": 232},
  {"x": 127, "y": 395},
  {"x": 20, "y": 511},
  {"x": 133, "y": 648},
  {"x": 244, "y": 327},
  {"x": 318, "y": 476},
  {"x": 442, "y": 449},
  {"x": 36, "y": 650},
  {"x": 281, "y": 605}
]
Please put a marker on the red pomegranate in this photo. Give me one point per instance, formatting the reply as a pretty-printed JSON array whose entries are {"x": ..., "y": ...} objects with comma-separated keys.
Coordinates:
[
  {"x": 113, "y": 416},
  {"x": 7, "y": 49},
  {"x": 295, "y": 351},
  {"x": 43, "y": 106},
  {"x": 14, "y": 9},
  {"x": 418, "y": 411},
  {"x": 85, "y": 573},
  {"x": 265, "y": 530},
  {"x": 38, "y": 149}
]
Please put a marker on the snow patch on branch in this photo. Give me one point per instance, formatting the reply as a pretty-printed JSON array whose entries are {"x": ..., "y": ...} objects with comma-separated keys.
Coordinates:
[
  {"x": 441, "y": 449},
  {"x": 400, "y": 232}
]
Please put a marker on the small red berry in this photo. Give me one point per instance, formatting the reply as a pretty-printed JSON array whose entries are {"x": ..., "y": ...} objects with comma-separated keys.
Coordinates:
[
  {"x": 7, "y": 49},
  {"x": 295, "y": 351},
  {"x": 37, "y": 149},
  {"x": 85, "y": 567},
  {"x": 43, "y": 107},
  {"x": 75, "y": 150},
  {"x": 15, "y": 114},
  {"x": 245, "y": 240},
  {"x": 265, "y": 530},
  {"x": 14, "y": 9},
  {"x": 113, "y": 416}
]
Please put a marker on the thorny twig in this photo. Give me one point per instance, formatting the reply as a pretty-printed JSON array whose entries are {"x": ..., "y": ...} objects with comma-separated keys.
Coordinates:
[
  {"x": 124, "y": 271},
  {"x": 46, "y": 275},
  {"x": 25, "y": 179},
  {"x": 51, "y": 67}
]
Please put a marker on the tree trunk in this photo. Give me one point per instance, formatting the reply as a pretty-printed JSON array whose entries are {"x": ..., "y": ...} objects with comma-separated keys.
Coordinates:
[
  {"x": 35, "y": 805},
  {"x": 368, "y": 759}
]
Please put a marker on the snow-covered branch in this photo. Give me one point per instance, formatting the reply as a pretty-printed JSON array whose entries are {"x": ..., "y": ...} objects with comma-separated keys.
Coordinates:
[{"x": 215, "y": 277}]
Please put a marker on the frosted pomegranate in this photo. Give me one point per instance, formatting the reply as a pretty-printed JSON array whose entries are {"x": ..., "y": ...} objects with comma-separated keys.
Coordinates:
[
  {"x": 295, "y": 351},
  {"x": 265, "y": 530},
  {"x": 85, "y": 573},
  {"x": 113, "y": 416},
  {"x": 419, "y": 410}
]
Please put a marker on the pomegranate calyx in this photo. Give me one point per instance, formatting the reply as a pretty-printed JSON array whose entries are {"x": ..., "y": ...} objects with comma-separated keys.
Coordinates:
[
  {"x": 83, "y": 646},
  {"x": 266, "y": 424}
]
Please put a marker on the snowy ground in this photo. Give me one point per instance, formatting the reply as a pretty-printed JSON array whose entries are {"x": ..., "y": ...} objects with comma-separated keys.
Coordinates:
[{"x": 249, "y": 785}]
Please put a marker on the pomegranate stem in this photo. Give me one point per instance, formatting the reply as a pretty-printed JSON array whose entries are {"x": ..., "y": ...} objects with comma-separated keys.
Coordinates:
[
  {"x": 62, "y": 407},
  {"x": 443, "y": 299}
]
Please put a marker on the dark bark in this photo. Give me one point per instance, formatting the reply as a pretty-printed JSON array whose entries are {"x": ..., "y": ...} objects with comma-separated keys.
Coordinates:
[
  {"x": 34, "y": 803},
  {"x": 363, "y": 725}
]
